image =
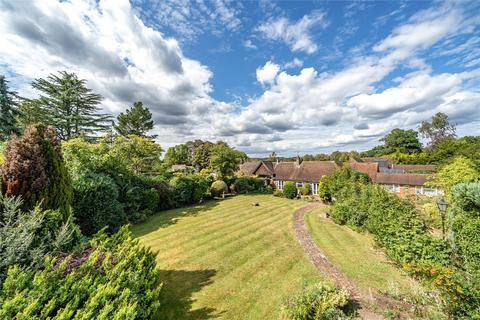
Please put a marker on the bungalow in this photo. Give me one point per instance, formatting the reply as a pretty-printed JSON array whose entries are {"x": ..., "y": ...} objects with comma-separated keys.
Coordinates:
[
  {"x": 394, "y": 178},
  {"x": 300, "y": 172}
]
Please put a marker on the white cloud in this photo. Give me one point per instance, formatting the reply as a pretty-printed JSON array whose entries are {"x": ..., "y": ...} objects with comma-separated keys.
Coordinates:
[
  {"x": 249, "y": 44},
  {"x": 295, "y": 63},
  {"x": 296, "y": 35},
  {"x": 267, "y": 73},
  {"x": 112, "y": 49}
]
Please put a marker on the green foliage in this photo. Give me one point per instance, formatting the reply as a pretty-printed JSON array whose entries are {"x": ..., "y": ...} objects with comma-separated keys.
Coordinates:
[
  {"x": 176, "y": 155},
  {"x": 71, "y": 107},
  {"x": 305, "y": 190},
  {"x": 460, "y": 170},
  {"x": 437, "y": 130},
  {"x": 405, "y": 141},
  {"x": 183, "y": 189},
  {"x": 290, "y": 190},
  {"x": 8, "y": 111},
  {"x": 415, "y": 158},
  {"x": 324, "y": 189},
  {"x": 278, "y": 193},
  {"x": 27, "y": 237},
  {"x": 135, "y": 121},
  {"x": 316, "y": 302},
  {"x": 114, "y": 279},
  {"x": 201, "y": 155},
  {"x": 249, "y": 184},
  {"x": 34, "y": 169},
  {"x": 218, "y": 188},
  {"x": 224, "y": 160},
  {"x": 96, "y": 205}
]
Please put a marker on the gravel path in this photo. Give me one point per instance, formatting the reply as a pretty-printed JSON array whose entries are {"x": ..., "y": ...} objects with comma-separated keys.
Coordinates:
[{"x": 321, "y": 262}]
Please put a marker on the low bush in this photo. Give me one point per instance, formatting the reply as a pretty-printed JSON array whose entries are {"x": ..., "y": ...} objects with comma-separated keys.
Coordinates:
[
  {"x": 248, "y": 184},
  {"x": 218, "y": 188},
  {"x": 96, "y": 205},
  {"x": 278, "y": 193},
  {"x": 290, "y": 190},
  {"x": 320, "y": 301},
  {"x": 269, "y": 189},
  {"x": 115, "y": 278},
  {"x": 182, "y": 190},
  {"x": 305, "y": 190},
  {"x": 27, "y": 237}
]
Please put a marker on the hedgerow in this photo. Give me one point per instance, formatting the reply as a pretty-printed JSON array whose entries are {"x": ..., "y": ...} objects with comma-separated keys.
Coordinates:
[{"x": 115, "y": 278}]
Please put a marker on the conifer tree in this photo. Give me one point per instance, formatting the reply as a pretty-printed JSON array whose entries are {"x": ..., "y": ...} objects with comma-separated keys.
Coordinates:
[
  {"x": 72, "y": 107},
  {"x": 135, "y": 121},
  {"x": 8, "y": 111}
]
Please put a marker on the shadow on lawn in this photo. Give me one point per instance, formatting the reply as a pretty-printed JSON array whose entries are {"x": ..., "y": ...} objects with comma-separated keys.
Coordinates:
[
  {"x": 178, "y": 288},
  {"x": 166, "y": 218}
]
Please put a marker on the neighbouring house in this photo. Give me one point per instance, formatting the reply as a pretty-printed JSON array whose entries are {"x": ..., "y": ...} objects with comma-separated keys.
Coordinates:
[
  {"x": 394, "y": 178},
  {"x": 179, "y": 168},
  {"x": 397, "y": 178}
]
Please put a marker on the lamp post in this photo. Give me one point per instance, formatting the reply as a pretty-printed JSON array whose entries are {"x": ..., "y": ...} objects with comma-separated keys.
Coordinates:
[{"x": 442, "y": 207}]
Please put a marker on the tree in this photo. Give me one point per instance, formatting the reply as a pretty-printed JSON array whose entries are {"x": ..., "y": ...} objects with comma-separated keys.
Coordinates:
[
  {"x": 405, "y": 141},
  {"x": 31, "y": 111},
  {"x": 34, "y": 169},
  {"x": 437, "y": 130},
  {"x": 201, "y": 156},
  {"x": 224, "y": 160},
  {"x": 273, "y": 156},
  {"x": 135, "y": 121},
  {"x": 460, "y": 170},
  {"x": 176, "y": 155},
  {"x": 8, "y": 111},
  {"x": 72, "y": 107}
]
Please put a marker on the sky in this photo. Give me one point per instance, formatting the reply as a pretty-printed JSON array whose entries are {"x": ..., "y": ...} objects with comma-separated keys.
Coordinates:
[{"x": 292, "y": 77}]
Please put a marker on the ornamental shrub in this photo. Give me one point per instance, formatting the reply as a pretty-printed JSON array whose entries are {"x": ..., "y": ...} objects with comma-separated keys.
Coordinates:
[
  {"x": 278, "y": 193},
  {"x": 324, "y": 189},
  {"x": 27, "y": 237},
  {"x": 305, "y": 190},
  {"x": 182, "y": 190},
  {"x": 96, "y": 205},
  {"x": 115, "y": 278},
  {"x": 290, "y": 190},
  {"x": 320, "y": 301},
  {"x": 218, "y": 188},
  {"x": 201, "y": 187},
  {"x": 34, "y": 169},
  {"x": 249, "y": 184}
]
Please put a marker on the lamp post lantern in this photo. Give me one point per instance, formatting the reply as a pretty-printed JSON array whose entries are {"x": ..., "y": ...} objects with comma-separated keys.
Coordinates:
[{"x": 442, "y": 207}]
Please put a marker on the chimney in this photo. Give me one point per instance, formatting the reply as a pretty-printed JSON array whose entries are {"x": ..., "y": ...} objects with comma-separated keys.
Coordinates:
[{"x": 298, "y": 161}]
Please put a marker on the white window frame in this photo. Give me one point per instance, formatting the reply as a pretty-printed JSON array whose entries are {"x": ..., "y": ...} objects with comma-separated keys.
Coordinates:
[
  {"x": 299, "y": 184},
  {"x": 428, "y": 191},
  {"x": 280, "y": 184},
  {"x": 392, "y": 187},
  {"x": 314, "y": 188}
]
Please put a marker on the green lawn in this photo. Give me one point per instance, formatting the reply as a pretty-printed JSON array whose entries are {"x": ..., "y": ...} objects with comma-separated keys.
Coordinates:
[
  {"x": 228, "y": 259},
  {"x": 353, "y": 253}
]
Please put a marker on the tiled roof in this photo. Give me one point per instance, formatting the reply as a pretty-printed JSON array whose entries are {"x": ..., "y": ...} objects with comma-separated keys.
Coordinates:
[
  {"x": 249, "y": 167},
  {"x": 408, "y": 167},
  {"x": 412, "y": 179},
  {"x": 308, "y": 171}
]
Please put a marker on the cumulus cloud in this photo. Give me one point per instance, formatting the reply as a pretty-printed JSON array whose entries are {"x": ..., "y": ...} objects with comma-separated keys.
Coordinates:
[
  {"x": 295, "y": 63},
  {"x": 297, "y": 35},
  {"x": 267, "y": 73},
  {"x": 110, "y": 47}
]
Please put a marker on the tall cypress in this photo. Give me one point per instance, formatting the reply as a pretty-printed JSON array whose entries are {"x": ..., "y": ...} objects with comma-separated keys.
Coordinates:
[{"x": 73, "y": 108}]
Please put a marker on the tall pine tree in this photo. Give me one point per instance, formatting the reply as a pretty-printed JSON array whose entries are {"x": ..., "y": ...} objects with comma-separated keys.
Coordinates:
[
  {"x": 137, "y": 121},
  {"x": 72, "y": 107},
  {"x": 8, "y": 111}
]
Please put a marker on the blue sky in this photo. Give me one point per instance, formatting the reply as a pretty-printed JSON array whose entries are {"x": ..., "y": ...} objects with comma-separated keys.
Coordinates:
[{"x": 286, "y": 76}]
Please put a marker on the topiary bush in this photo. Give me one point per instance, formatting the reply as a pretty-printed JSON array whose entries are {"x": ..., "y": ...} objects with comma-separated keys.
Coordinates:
[
  {"x": 34, "y": 169},
  {"x": 320, "y": 301},
  {"x": 115, "y": 278},
  {"x": 96, "y": 204},
  {"x": 290, "y": 190},
  {"x": 218, "y": 188}
]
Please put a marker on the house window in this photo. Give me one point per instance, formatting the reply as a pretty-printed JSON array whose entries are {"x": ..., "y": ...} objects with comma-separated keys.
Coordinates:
[
  {"x": 299, "y": 184},
  {"x": 314, "y": 188},
  {"x": 392, "y": 187},
  {"x": 279, "y": 184},
  {"x": 429, "y": 192}
]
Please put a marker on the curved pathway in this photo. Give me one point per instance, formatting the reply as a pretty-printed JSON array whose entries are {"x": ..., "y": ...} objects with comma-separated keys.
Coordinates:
[{"x": 323, "y": 265}]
